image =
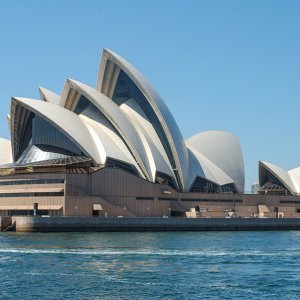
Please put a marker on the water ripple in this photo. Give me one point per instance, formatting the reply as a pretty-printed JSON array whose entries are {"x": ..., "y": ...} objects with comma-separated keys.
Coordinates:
[{"x": 255, "y": 265}]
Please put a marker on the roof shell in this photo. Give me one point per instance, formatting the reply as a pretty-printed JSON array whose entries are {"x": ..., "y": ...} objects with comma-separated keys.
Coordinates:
[
  {"x": 295, "y": 176},
  {"x": 67, "y": 122},
  {"x": 108, "y": 143},
  {"x": 117, "y": 118},
  {"x": 287, "y": 178},
  {"x": 156, "y": 153},
  {"x": 141, "y": 132},
  {"x": 223, "y": 150},
  {"x": 166, "y": 119},
  {"x": 211, "y": 171},
  {"x": 5, "y": 151},
  {"x": 49, "y": 96}
]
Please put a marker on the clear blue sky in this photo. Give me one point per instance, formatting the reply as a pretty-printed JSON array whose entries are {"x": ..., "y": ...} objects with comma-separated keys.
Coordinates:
[{"x": 228, "y": 65}]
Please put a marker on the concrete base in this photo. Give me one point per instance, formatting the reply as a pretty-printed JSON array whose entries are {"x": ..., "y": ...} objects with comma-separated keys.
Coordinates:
[{"x": 63, "y": 224}]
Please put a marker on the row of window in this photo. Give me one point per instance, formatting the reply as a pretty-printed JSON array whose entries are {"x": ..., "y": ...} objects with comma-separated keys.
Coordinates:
[
  {"x": 32, "y": 181},
  {"x": 38, "y": 194},
  {"x": 193, "y": 199},
  {"x": 20, "y": 212},
  {"x": 214, "y": 200}
]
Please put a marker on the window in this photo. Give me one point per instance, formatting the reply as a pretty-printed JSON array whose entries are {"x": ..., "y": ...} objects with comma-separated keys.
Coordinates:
[
  {"x": 214, "y": 200},
  {"x": 202, "y": 185},
  {"x": 38, "y": 194},
  {"x": 32, "y": 181},
  {"x": 168, "y": 199},
  {"x": 144, "y": 198}
]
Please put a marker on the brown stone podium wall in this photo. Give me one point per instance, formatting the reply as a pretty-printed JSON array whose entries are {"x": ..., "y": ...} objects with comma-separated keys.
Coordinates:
[{"x": 125, "y": 195}]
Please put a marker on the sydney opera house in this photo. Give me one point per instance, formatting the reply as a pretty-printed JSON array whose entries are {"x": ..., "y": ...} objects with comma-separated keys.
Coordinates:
[{"x": 116, "y": 150}]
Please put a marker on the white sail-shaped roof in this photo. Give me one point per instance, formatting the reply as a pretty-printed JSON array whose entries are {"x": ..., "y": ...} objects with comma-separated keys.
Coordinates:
[
  {"x": 290, "y": 179},
  {"x": 67, "y": 122},
  {"x": 110, "y": 68},
  {"x": 157, "y": 155},
  {"x": 115, "y": 116},
  {"x": 224, "y": 151},
  {"x": 5, "y": 151},
  {"x": 49, "y": 96},
  {"x": 123, "y": 122},
  {"x": 295, "y": 176},
  {"x": 108, "y": 142},
  {"x": 211, "y": 171}
]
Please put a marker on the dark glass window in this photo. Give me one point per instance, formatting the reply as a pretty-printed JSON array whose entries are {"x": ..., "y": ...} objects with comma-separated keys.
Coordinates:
[
  {"x": 32, "y": 181},
  {"x": 213, "y": 200},
  {"x": 202, "y": 185},
  {"x": 47, "y": 143},
  {"x": 164, "y": 179},
  {"x": 38, "y": 194},
  {"x": 27, "y": 212},
  {"x": 44, "y": 133},
  {"x": 228, "y": 188},
  {"x": 271, "y": 184},
  {"x": 114, "y": 163},
  {"x": 167, "y": 199},
  {"x": 144, "y": 198},
  {"x": 82, "y": 104},
  {"x": 23, "y": 136}
]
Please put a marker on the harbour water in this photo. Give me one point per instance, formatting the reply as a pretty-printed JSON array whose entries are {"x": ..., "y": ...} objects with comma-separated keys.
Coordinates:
[{"x": 158, "y": 265}]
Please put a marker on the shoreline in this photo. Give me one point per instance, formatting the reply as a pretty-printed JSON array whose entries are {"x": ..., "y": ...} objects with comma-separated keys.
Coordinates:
[{"x": 92, "y": 224}]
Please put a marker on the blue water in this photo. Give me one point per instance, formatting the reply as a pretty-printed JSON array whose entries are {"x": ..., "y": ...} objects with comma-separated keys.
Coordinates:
[{"x": 177, "y": 265}]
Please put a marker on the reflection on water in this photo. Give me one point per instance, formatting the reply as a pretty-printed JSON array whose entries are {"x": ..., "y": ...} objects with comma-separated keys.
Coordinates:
[{"x": 173, "y": 265}]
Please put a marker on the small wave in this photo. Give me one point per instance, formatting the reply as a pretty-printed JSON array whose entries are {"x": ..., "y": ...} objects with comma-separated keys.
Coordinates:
[{"x": 105, "y": 252}]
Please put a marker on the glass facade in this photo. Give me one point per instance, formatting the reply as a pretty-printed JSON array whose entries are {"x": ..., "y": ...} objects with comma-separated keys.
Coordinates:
[
  {"x": 47, "y": 144},
  {"x": 82, "y": 104},
  {"x": 37, "y": 153},
  {"x": 113, "y": 163},
  {"x": 271, "y": 184},
  {"x": 202, "y": 185},
  {"x": 269, "y": 187},
  {"x": 164, "y": 179},
  {"x": 23, "y": 136},
  {"x": 44, "y": 133},
  {"x": 269, "y": 177},
  {"x": 228, "y": 188}
]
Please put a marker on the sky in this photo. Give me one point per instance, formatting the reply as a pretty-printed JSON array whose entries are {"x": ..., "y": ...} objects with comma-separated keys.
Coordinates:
[{"x": 219, "y": 65}]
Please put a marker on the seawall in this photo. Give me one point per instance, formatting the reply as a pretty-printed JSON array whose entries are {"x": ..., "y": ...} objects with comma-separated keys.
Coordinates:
[{"x": 65, "y": 224}]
